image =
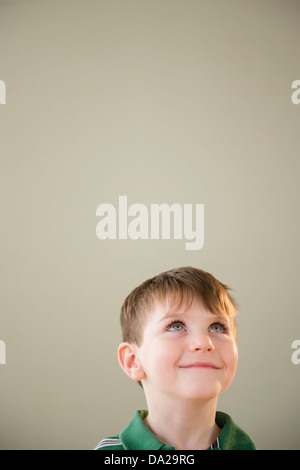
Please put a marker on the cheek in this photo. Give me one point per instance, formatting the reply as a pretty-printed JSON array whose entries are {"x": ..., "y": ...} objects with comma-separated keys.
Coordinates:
[
  {"x": 162, "y": 359},
  {"x": 231, "y": 359}
]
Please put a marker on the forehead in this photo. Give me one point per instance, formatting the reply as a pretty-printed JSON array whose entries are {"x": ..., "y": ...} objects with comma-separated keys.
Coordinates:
[{"x": 172, "y": 306}]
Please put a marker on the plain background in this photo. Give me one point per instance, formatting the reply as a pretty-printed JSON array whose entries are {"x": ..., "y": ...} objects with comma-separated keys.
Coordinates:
[{"x": 163, "y": 101}]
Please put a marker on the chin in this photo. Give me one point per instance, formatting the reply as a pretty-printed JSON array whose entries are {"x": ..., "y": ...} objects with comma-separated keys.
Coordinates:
[{"x": 202, "y": 393}]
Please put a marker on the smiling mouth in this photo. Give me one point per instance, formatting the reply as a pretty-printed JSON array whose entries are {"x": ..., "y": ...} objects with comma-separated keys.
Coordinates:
[{"x": 200, "y": 365}]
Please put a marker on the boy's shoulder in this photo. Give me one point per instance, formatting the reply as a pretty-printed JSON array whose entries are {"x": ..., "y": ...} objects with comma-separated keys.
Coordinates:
[
  {"x": 136, "y": 436},
  {"x": 232, "y": 437}
]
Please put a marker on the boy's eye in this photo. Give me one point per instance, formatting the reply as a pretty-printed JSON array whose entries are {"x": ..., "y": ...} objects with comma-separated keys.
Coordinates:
[
  {"x": 177, "y": 326},
  {"x": 217, "y": 328}
]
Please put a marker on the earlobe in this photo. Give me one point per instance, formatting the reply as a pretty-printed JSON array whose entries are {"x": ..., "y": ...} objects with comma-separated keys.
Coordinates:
[{"x": 129, "y": 362}]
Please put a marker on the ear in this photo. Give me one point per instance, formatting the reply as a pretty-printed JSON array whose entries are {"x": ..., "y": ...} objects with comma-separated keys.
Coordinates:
[{"x": 129, "y": 361}]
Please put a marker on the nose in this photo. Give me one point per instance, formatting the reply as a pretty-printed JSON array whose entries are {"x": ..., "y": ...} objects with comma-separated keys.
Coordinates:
[{"x": 201, "y": 342}]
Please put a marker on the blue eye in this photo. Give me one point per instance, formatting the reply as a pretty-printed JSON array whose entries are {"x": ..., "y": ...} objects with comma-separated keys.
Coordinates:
[
  {"x": 175, "y": 326},
  {"x": 218, "y": 328}
]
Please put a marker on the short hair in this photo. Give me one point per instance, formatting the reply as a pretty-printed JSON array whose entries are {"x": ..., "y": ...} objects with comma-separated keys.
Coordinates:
[{"x": 180, "y": 285}]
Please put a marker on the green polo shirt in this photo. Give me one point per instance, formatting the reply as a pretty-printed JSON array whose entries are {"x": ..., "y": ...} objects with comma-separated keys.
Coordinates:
[{"x": 137, "y": 436}]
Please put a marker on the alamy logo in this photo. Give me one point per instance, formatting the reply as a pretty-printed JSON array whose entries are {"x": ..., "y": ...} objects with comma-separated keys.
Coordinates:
[
  {"x": 2, "y": 92},
  {"x": 161, "y": 221},
  {"x": 296, "y": 94},
  {"x": 296, "y": 354},
  {"x": 2, "y": 352}
]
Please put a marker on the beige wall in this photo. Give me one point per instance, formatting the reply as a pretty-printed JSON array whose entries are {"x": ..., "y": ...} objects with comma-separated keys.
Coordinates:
[{"x": 163, "y": 101}]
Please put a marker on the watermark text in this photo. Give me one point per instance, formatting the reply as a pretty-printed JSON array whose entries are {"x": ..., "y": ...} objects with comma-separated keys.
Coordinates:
[
  {"x": 2, "y": 352},
  {"x": 296, "y": 94},
  {"x": 296, "y": 354},
  {"x": 2, "y": 92},
  {"x": 160, "y": 221}
]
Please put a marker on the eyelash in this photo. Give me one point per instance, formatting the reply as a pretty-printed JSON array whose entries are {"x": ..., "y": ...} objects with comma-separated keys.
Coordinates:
[
  {"x": 218, "y": 323},
  {"x": 222, "y": 325},
  {"x": 174, "y": 322}
]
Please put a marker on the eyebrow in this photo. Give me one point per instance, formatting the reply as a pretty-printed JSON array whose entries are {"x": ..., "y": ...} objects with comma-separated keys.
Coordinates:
[{"x": 170, "y": 315}]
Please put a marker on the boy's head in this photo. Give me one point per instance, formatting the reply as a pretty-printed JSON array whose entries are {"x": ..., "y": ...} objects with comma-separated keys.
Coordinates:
[
  {"x": 180, "y": 286},
  {"x": 179, "y": 327}
]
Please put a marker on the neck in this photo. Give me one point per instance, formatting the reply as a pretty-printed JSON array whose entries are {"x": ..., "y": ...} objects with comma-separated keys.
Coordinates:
[{"x": 186, "y": 425}]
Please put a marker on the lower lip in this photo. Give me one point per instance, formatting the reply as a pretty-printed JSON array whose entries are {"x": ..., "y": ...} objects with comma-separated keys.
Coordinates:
[{"x": 200, "y": 366}]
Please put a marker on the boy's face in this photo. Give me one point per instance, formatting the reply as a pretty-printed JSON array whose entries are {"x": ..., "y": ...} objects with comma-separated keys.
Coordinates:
[{"x": 187, "y": 354}]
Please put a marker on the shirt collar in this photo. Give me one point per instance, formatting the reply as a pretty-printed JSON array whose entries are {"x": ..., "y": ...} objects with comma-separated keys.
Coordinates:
[{"x": 137, "y": 435}]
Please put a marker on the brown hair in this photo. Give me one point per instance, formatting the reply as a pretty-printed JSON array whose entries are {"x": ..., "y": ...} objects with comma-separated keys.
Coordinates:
[{"x": 180, "y": 283}]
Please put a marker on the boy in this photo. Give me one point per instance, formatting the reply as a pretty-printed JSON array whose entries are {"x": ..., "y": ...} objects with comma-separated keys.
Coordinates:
[{"x": 179, "y": 344}]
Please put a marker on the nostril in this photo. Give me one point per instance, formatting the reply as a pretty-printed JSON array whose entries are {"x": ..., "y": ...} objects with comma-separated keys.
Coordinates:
[{"x": 204, "y": 345}]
